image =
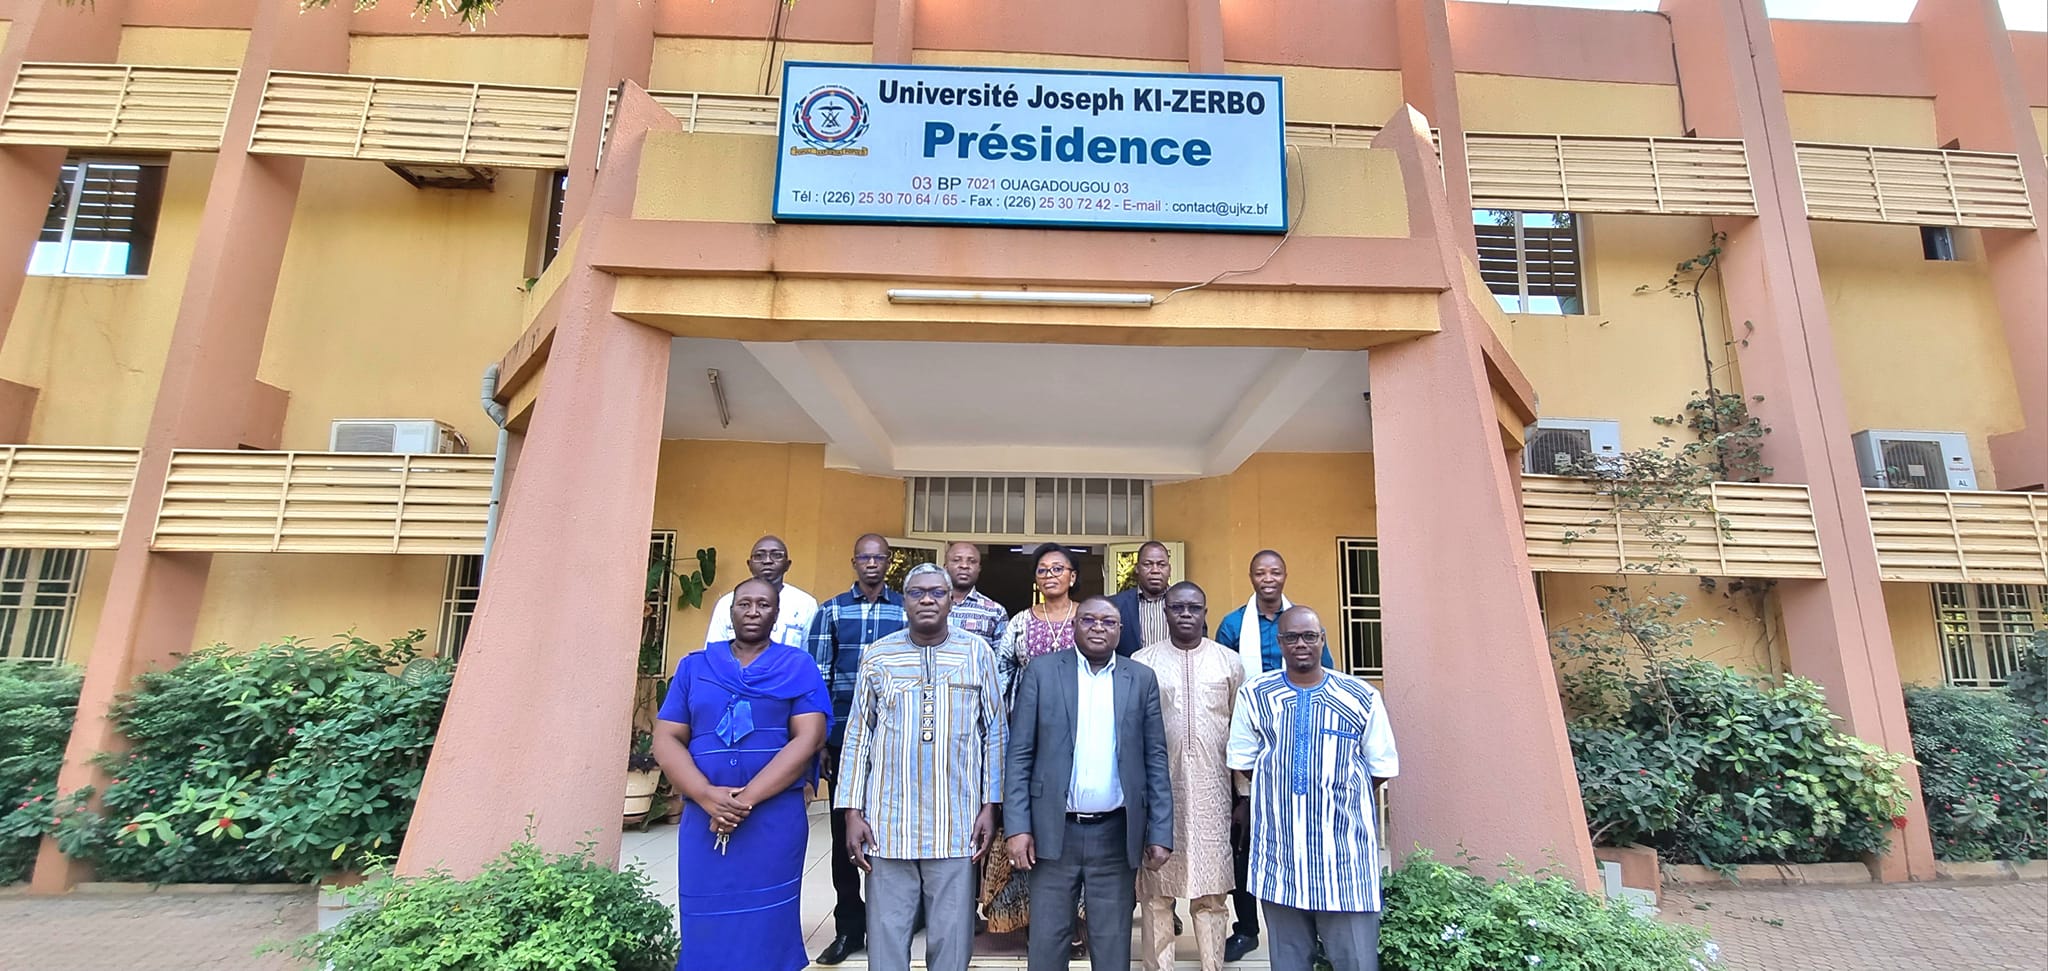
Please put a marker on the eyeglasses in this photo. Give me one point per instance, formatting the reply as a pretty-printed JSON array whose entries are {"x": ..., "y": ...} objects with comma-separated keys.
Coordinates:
[
  {"x": 1304, "y": 638},
  {"x": 1186, "y": 608},
  {"x": 1051, "y": 571},
  {"x": 1099, "y": 623},
  {"x": 922, "y": 594},
  {"x": 870, "y": 557},
  {"x": 769, "y": 556}
]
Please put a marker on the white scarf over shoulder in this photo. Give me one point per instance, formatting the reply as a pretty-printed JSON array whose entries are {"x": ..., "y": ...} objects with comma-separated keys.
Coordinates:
[{"x": 1248, "y": 633}]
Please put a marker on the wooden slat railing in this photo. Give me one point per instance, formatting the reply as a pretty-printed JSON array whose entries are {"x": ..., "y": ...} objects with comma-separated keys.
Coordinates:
[
  {"x": 1960, "y": 537},
  {"x": 419, "y": 122},
  {"x": 1914, "y": 186},
  {"x": 324, "y": 502},
  {"x": 118, "y": 106},
  {"x": 64, "y": 498},
  {"x": 1589, "y": 173},
  {"x": 1747, "y": 530}
]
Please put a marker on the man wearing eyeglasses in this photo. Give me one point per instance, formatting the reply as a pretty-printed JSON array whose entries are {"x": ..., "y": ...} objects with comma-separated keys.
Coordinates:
[
  {"x": 922, "y": 776},
  {"x": 1198, "y": 682},
  {"x": 769, "y": 562},
  {"x": 1087, "y": 796},
  {"x": 1317, "y": 744},
  {"x": 840, "y": 633}
]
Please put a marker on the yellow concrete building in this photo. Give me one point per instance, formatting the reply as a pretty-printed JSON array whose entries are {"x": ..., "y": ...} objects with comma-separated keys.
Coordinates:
[{"x": 282, "y": 246}]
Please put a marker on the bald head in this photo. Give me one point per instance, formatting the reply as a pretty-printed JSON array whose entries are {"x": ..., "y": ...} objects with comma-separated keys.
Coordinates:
[
  {"x": 1097, "y": 629},
  {"x": 1301, "y": 644},
  {"x": 769, "y": 559}
]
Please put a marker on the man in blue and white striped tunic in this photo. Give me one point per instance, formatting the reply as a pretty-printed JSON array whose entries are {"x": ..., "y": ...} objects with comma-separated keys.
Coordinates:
[{"x": 1316, "y": 743}]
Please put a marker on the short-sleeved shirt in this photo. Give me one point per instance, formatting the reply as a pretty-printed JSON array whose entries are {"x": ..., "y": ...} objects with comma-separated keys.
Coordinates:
[{"x": 1313, "y": 753}]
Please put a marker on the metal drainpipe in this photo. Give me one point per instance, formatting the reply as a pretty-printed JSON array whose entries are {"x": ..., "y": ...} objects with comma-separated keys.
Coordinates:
[{"x": 498, "y": 415}]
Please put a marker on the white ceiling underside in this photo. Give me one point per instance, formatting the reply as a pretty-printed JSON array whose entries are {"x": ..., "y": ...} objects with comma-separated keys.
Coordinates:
[{"x": 913, "y": 408}]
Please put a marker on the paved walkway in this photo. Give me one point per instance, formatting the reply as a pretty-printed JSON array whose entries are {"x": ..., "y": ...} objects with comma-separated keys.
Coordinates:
[
  {"x": 1986, "y": 927},
  {"x": 151, "y": 932}
]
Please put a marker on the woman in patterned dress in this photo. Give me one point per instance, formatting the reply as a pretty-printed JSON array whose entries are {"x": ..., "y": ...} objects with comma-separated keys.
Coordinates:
[{"x": 1044, "y": 628}]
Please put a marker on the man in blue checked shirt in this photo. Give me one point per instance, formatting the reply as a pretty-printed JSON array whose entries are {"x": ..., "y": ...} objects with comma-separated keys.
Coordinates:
[{"x": 840, "y": 633}]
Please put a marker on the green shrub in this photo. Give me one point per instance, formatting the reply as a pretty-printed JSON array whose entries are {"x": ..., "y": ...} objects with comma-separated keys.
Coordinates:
[
  {"x": 2028, "y": 682},
  {"x": 1708, "y": 765},
  {"x": 1983, "y": 773},
  {"x": 36, "y": 705},
  {"x": 527, "y": 911},
  {"x": 279, "y": 763},
  {"x": 1443, "y": 918}
]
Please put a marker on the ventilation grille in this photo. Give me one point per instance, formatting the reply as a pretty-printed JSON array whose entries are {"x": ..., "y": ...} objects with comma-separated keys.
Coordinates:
[
  {"x": 1016, "y": 506},
  {"x": 365, "y": 436},
  {"x": 1559, "y": 451},
  {"x": 1913, "y": 464}
]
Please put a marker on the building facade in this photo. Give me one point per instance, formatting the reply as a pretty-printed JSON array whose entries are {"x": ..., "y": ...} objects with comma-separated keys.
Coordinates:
[{"x": 238, "y": 242}]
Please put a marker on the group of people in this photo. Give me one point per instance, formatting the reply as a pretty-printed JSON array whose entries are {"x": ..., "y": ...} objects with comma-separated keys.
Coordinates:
[{"x": 1069, "y": 765}]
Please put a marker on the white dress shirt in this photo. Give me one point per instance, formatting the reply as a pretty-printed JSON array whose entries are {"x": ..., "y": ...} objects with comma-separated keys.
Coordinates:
[
  {"x": 1095, "y": 788},
  {"x": 792, "y": 621}
]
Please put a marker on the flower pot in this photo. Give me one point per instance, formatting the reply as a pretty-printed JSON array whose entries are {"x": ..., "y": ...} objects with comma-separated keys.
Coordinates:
[{"x": 640, "y": 788}]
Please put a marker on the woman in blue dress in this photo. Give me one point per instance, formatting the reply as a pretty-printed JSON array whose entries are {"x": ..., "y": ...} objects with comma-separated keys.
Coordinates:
[{"x": 738, "y": 736}]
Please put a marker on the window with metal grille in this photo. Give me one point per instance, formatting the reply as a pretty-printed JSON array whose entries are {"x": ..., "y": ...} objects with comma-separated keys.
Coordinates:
[
  {"x": 558, "y": 198},
  {"x": 102, "y": 219},
  {"x": 1358, "y": 574},
  {"x": 1531, "y": 260},
  {"x": 1984, "y": 628},
  {"x": 963, "y": 506},
  {"x": 38, "y": 598},
  {"x": 466, "y": 581}
]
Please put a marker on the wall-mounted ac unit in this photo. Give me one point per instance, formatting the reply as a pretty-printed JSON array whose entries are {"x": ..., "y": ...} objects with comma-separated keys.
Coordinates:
[
  {"x": 411, "y": 436},
  {"x": 1893, "y": 459},
  {"x": 1560, "y": 443}
]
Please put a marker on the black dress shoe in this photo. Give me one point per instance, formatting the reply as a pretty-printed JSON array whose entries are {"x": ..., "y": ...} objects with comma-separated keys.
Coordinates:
[
  {"x": 1240, "y": 945},
  {"x": 842, "y": 947}
]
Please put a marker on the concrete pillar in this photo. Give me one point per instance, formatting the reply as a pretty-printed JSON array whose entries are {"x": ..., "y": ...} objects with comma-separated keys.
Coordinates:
[
  {"x": 538, "y": 724},
  {"x": 1429, "y": 82},
  {"x": 43, "y": 30},
  {"x": 1836, "y": 629},
  {"x": 1205, "y": 37},
  {"x": 152, "y": 602},
  {"x": 895, "y": 31},
  {"x": 1462, "y": 631},
  {"x": 1981, "y": 103},
  {"x": 621, "y": 48}
]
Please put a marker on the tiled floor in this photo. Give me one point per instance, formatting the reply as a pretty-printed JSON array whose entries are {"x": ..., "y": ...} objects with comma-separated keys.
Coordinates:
[{"x": 654, "y": 853}]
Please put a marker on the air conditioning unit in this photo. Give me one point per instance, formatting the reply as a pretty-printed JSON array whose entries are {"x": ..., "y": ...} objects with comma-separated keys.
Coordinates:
[
  {"x": 1892, "y": 459},
  {"x": 1557, "y": 443},
  {"x": 411, "y": 436}
]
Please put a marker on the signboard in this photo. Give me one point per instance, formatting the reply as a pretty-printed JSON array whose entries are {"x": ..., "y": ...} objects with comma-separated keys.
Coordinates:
[{"x": 993, "y": 146}]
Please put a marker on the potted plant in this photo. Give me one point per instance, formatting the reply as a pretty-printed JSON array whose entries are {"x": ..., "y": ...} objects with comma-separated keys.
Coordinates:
[{"x": 643, "y": 776}]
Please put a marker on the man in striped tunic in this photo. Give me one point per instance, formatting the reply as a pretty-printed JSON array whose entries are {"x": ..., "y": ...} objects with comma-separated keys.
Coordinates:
[{"x": 1316, "y": 744}]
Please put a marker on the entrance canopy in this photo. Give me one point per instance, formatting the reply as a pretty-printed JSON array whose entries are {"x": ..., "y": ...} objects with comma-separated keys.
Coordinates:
[{"x": 916, "y": 407}]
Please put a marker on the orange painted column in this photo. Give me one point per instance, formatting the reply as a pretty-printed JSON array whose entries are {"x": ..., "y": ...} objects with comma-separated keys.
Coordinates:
[
  {"x": 1469, "y": 682},
  {"x": 1429, "y": 82},
  {"x": 42, "y": 30},
  {"x": 621, "y": 48},
  {"x": 1981, "y": 103},
  {"x": 153, "y": 599},
  {"x": 895, "y": 31},
  {"x": 1205, "y": 37},
  {"x": 1836, "y": 630},
  {"x": 538, "y": 724}
]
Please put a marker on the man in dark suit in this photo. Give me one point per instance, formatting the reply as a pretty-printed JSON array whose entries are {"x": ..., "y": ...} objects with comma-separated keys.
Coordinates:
[
  {"x": 1086, "y": 795},
  {"x": 1142, "y": 608}
]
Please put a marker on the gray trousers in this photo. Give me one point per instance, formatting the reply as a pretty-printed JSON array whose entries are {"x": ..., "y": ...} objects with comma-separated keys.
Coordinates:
[
  {"x": 1351, "y": 939},
  {"x": 1095, "y": 861},
  {"x": 946, "y": 889}
]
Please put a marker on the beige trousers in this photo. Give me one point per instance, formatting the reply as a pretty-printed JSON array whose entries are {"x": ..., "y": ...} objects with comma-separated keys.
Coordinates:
[{"x": 1211, "y": 916}]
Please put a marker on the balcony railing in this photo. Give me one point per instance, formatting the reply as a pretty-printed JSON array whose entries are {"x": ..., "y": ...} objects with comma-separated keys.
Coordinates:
[
  {"x": 64, "y": 498},
  {"x": 324, "y": 502},
  {"x": 1966, "y": 537},
  {"x": 415, "y": 122},
  {"x": 1914, "y": 186},
  {"x": 1588, "y": 173},
  {"x": 118, "y": 106},
  {"x": 1743, "y": 530}
]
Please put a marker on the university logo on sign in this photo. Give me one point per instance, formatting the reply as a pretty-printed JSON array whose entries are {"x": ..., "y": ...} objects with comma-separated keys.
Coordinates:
[
  {"x": 830, "y": 120},
  {"x": 1004, "y": 146}
]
